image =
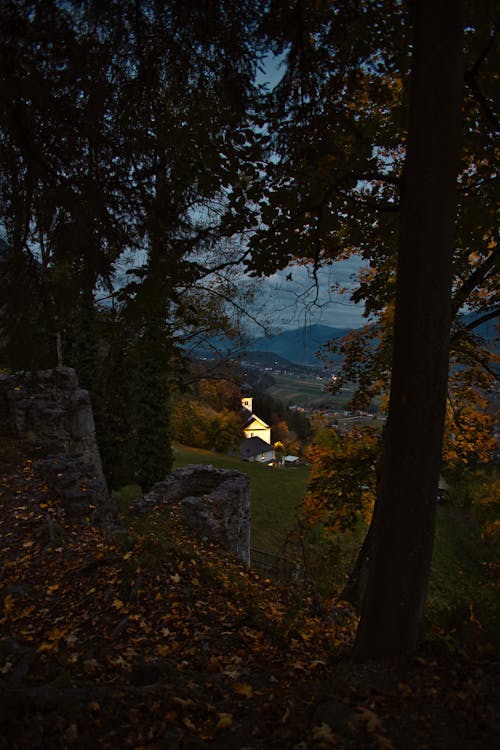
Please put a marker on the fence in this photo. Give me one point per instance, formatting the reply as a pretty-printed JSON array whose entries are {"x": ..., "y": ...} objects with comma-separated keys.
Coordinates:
[{"x": 276, "y": 566}]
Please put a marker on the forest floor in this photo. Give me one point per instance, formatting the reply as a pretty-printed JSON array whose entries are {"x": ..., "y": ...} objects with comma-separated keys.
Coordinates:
[{"x": 148, "y": 638}]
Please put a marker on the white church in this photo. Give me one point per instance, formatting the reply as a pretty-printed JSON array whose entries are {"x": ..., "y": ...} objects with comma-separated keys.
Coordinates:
[{"x": 257, "y": 445}]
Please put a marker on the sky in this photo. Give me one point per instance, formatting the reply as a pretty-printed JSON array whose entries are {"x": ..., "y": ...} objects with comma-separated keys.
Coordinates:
[
  {"x": 291, "y": 296},
  {"x": 292, "y": 300}
]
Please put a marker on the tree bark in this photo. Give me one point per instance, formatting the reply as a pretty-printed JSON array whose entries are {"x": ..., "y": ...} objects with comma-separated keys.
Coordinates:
[{"x": 403, "y": 522}]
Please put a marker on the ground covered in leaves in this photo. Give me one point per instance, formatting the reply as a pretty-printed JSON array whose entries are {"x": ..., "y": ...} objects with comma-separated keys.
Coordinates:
[{"x": 148, "y": 638}]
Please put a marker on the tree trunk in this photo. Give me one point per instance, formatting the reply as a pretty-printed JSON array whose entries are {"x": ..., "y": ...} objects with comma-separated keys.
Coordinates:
[{"x": 403, "y": 523}]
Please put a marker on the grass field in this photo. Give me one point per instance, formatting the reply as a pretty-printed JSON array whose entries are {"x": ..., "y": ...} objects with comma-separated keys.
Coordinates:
[
  {"x": 276, "y": 493},
  {"x": 307, "y": 392}
]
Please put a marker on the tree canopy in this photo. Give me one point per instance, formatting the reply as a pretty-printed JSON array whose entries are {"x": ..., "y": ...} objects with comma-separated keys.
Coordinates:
[{"x": 127, "y": 143}]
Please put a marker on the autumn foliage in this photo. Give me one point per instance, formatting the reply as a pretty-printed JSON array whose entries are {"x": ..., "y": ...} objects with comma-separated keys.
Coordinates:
[{"x": 342, "y": 486}]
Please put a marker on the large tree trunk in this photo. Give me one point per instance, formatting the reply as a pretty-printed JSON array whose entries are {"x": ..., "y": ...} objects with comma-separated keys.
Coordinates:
[{"x": 403, "y": 523}]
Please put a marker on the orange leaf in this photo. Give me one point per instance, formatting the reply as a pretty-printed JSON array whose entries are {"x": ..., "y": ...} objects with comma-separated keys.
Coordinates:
[
  {"x": 370, "y": 719},
  {"x": 189, "y": 724},
  {"x": 225, "y": 721},
  {"x": 243, "y": 688}
]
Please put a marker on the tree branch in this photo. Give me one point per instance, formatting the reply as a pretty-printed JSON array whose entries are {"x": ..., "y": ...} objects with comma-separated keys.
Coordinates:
[
  {"x": 476, "y": 278},
  {"x": 483, "y": 318},
  {"x": 471, "y": 81}
]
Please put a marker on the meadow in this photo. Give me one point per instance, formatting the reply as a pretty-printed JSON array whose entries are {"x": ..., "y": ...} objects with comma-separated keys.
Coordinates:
[
  {"x": 462, "y": 604},
  {"x": 276, "y": 493},
  {"x": 307, "y": 392}
]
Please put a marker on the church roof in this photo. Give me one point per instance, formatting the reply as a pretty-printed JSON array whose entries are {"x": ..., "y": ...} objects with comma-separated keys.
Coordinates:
[
  {"x": 254, "y": 445},
  {"x": 254, "y": 418}
]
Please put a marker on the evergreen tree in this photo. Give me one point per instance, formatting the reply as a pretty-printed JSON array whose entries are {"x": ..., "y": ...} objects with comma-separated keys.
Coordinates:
[{"x": 126, "y": 132}]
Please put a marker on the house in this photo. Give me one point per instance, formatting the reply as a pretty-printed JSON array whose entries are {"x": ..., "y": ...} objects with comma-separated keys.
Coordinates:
[
  {"x": 256, "y": 449},
  {"x": 257, "y": 444}
]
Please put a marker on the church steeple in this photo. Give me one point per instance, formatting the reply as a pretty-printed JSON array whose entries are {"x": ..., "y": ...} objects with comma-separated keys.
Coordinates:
[{"x": 247, "y": 402}]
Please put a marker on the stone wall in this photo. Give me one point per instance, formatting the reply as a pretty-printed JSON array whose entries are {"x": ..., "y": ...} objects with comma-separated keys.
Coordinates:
[
  {"x": 214, "y": 502},
  {"x": 52, "y": 416}
]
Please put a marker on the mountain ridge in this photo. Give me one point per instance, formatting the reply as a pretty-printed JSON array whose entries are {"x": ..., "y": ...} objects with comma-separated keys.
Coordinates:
[{"x": 298, "y": 345}]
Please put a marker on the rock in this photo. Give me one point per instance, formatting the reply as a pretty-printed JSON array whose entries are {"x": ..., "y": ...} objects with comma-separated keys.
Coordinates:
[
  {"x": 50, "y": 414},
  {"x": 214, "y": 502}
]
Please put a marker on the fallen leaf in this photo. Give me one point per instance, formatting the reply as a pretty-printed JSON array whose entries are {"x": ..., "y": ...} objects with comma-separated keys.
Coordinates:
[
  {"x": 369, "y": 718},
  {"x": 323, "y": 733},
  {"x": 225, "y": 721},
  {"x": 6, "y": 667},
  {"x": 183, "y": 702},
  {"x": 243, "y": 688},
  {"x": 44, "y": 647},
  {"x": 383, "y": 743},
  {"x": 56, "y": 633},
  {"x": 189, "y": 724}
]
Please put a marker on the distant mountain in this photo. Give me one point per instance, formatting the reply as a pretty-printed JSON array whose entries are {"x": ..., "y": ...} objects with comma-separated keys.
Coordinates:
[{"x": 299, "y": 345}]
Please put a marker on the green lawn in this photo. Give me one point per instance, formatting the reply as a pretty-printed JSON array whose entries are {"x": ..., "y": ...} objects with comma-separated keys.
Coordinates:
[{"x": 276, "y": 493}]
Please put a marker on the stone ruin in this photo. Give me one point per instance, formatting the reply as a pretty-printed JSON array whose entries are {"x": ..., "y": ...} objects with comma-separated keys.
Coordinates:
[
  {"x": 52, "y": 416},
  {"x": 213, "y": 502}
]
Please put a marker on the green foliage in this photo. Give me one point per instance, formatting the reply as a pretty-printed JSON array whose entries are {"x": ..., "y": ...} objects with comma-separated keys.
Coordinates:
[
  {"x": 288, "y": 425},
  {"x": 148, "y": 445}
]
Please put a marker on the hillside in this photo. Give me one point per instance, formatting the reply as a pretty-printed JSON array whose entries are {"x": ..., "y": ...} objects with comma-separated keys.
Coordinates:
[{"x": 154, "y": 639}]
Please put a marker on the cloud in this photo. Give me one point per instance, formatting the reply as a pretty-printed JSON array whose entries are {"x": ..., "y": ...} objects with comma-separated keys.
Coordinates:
[{"x": 294, "y": 297}]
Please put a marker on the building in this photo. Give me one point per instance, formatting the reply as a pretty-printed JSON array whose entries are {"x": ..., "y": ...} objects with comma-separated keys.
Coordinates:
[
  {"x": 254, "y": 426},
  {"x": 257, "y": 444},
  {"x": 256, "y": 449}
]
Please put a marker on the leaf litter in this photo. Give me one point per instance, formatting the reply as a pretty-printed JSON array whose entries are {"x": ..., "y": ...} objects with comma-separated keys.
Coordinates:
[{"x": 154, "y": 639}]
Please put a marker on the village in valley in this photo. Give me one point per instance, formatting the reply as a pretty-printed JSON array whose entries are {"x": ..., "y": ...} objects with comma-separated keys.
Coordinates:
[{"x": 303, "y": 391}]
